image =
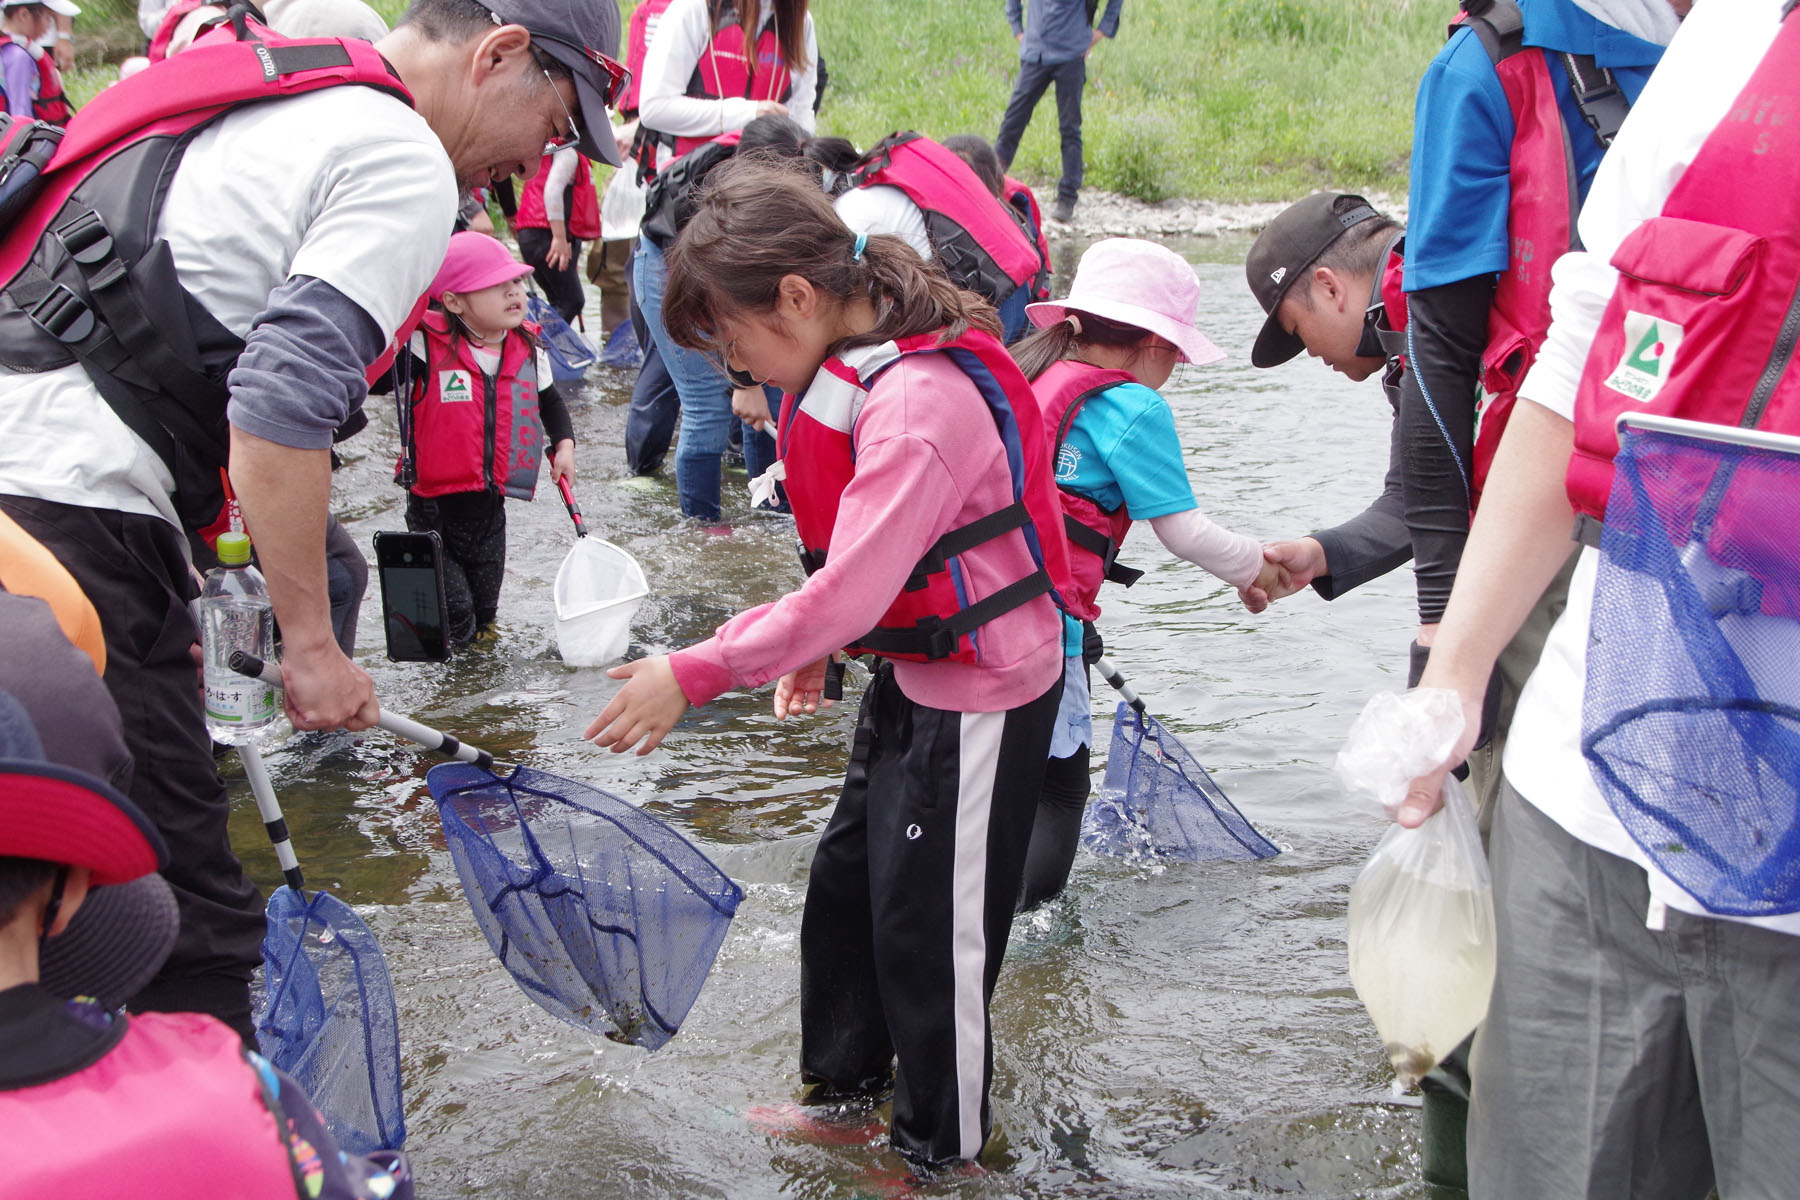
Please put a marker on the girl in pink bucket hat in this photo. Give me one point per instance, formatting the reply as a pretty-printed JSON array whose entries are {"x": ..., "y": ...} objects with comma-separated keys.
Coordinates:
[
  {"x": 1095, "y": 364},
  {"x": 478, "y": 414}
]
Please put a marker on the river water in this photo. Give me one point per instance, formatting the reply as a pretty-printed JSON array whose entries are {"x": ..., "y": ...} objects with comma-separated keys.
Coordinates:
[{"x": 1175, "y": 1030}]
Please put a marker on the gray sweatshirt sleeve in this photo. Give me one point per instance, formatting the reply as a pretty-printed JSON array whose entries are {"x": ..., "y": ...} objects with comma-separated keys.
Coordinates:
[{"x": 301, "y": 374}]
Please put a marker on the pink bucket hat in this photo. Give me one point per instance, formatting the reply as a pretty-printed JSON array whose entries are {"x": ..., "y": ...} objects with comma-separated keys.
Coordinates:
[
  {"x": 1136, "y": 283},
  {"x": 475, "y": 261}
]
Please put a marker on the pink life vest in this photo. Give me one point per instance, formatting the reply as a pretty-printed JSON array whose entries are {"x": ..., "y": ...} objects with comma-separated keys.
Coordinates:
[
  {"x": 581, "y": 213},
  {"x": 475, "y": 432},
  {"x": 1024, "y": 202},
  {"x": 1094, "y": 533},
  {"x": 725, "y": 71},
  {"x": 1704, "y": 319},
  {"x": 931, "y": 619},
  {"x": 973, "y": 232},
  {"x": 644, "y": 20},
  {"x": 173, "y": 1110}
]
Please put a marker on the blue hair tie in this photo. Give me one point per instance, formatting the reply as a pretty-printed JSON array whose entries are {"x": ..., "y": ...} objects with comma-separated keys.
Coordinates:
[{"x": 862, "y": 239}]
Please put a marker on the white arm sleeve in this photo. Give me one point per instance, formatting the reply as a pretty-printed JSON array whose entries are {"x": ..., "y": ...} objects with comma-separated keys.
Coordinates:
[
  {"x": 681, "y": 36},
  {"x": 1193, "y": 535},
  {"x": 556, "y": 182}
]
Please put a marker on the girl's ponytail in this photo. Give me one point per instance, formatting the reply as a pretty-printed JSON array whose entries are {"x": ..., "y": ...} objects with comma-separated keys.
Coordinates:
[
  {"x": 914, "y": 296},
  {"x": 1065, "y": 338}
]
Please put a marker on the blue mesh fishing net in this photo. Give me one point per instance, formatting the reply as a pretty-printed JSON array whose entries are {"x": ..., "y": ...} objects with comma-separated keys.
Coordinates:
[
  {"x": 326, "y": 1017},
  {"x": 605, "y": 916},
  {"x": 1689, "y": 721},
  {"x": 569, "y": 352},
  {"x": 1158, "y": 801}
]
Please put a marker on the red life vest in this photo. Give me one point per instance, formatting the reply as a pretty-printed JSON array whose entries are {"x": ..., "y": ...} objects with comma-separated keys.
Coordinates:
[
  {"x": 50, "y": 104},
  {"x": 472, "y": 431},
  {"x": 581, "y": 207},
  {"x": 173, "y": 1110},
  {"x": 1024, "y": 202},
  {"x": 1094, "y": 533},
  {"x": 644, "y": 20},
  {"x": 155, "y": 354},
  {"x": 1706, "y": 313},
  {"x": 724, "y": 71},
  {"x": 931, "y": 619},
  {"x": 974, "y": 233},
  {"x": 1545, "y": 197}
]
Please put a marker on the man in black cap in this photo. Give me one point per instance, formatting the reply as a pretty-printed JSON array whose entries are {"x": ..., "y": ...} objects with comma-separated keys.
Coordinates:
[
  {"x": 305, "y": 227},
  {"x": 1318, "y": 271},
  {"x": 88, "y": 1095}
]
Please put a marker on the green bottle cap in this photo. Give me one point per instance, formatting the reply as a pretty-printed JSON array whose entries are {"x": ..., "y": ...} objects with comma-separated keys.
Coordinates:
[{"x": 234, "y": 549}]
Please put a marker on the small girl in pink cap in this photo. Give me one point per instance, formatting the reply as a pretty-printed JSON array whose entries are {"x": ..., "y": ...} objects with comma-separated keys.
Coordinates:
[
  {"x": 1095, "y": 364},
  {"x": 477, "y": 415}
]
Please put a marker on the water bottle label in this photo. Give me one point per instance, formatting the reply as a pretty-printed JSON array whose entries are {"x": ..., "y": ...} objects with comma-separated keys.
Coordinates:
[{"x": 244, "y": 702}]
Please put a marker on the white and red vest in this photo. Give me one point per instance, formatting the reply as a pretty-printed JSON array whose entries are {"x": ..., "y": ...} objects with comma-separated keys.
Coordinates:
[
  {"x": 1024, "y": 202},
  {"x": 725, "y": 70},
  {"x": 931, "y": 619},
  {"x": 581, "y": 213},
  {"x": 644, "y": 20},
  {"x": 1705, "y": 317},
  {"x": 472, "y": 431},
  {"x": 173, "y": 1110},
  {"x": 975, "y": 235},
  {"x": 1094, "y": 533}
]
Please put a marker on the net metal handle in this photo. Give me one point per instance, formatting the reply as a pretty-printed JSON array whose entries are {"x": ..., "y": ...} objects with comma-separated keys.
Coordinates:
[
  {"x": 1758, "y": 439},
  {"x": 399, "y": 726}
]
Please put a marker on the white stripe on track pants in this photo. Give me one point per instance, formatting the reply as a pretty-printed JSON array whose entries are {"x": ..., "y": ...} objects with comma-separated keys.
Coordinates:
[{"x": 908, "y": 908}]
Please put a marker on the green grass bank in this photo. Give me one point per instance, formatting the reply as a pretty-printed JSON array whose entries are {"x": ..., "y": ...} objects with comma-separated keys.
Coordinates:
[{"x": 1217, "y": 99}]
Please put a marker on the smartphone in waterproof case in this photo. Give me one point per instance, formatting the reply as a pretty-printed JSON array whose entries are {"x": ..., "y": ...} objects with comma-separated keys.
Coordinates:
[{"x": 411, "y": 566}]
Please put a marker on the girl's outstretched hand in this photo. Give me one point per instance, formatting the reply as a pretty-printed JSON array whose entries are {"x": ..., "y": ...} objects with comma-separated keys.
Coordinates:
[
  {"x": 645, "y": 709},
  {"x": 802, "y": 690}
]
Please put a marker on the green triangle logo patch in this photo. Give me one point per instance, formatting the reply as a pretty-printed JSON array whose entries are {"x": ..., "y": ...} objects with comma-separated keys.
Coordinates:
[
  {"x": 1651, "y": 344},
  {"x": 455, "y": 387}
]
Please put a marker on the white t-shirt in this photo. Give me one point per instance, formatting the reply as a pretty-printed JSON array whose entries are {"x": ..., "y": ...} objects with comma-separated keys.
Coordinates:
[
  {"x": 1704, "y": 70},
  {"x": 675, "y": 47},
  {"x": 347, "y": 185},
  {"x": 883, "y": 208}
]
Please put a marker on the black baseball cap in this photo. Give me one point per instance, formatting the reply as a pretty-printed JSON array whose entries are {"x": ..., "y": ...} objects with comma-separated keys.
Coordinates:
[
  {"x": 582, "y": 35},
  {"x": 1290, "y": 244}
]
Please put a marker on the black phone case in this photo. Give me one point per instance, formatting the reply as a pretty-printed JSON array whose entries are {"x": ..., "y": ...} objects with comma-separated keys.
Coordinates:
[{"x": 411, "y": 637}]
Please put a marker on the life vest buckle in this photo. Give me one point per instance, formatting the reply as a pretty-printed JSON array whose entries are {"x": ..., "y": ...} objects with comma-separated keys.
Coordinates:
[
  {"x": 86, "y": 238},
  {"x": 63, "y": 315}
]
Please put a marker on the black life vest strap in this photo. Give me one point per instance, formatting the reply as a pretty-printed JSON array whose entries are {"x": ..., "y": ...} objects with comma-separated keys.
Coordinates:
[
  {"x": 1603, "y": 105},
  {"x": 965, "y": 538},
  {"x": 1086, "y": 537},
  {"x": 937, "y": 637}
]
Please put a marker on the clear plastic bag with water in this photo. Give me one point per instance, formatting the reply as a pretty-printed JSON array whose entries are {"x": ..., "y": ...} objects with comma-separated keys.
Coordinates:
[{"x": 1421, "y": 924}]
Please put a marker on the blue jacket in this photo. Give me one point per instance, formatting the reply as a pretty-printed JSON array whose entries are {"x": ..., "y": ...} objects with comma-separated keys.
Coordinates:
[{"x": 1057, "y": 30}]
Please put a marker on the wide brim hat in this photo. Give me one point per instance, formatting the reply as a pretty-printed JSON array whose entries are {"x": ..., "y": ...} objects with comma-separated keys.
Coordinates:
[
  {"x": 117, "y": 942},
  {"x": 582, "y": 35},
  {"x": 61, "y": 8},
  {"x": 475, "y": 261},
  {"x": 1283, "y": 251},
  {"x": 1136, "y": 283}
]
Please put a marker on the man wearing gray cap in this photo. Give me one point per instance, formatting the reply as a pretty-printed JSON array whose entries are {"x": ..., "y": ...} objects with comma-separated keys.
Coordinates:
[{"x": 301, "y": 232}]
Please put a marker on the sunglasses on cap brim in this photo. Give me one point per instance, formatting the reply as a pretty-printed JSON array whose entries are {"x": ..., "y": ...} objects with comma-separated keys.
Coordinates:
[{"x": 618, "y": 76}]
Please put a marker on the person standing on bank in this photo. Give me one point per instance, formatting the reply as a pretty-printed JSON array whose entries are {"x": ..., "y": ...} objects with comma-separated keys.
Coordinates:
[{"x": 1055, "y": 38}]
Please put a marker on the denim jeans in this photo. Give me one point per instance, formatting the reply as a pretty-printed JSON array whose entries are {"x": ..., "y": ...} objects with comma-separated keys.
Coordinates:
[
  {"x": 1034, "y": 77},
  {"x": 705, "y": 394}
]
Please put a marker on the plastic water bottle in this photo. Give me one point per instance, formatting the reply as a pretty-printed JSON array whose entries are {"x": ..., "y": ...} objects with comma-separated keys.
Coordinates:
[{"x": 235, "y": 614}]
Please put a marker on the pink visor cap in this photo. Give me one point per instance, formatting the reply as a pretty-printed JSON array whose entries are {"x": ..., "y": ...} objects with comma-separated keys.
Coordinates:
[
  {"x": 475, "y": 261},
  {"x": 1136, "y": 283}
]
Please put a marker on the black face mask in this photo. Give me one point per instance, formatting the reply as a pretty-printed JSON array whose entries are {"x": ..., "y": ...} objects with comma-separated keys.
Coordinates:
[
  {"x": 1368, "y": 344},
  {"x": 740, "y": 379}
]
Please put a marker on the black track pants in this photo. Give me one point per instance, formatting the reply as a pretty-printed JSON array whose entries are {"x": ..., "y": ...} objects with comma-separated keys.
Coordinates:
[
  {"x": 909, "y": 905},
  {"x": 472, "y": 526},
  {"x": 135, "y": 572},
  {"x": 1056, "y": 834}
]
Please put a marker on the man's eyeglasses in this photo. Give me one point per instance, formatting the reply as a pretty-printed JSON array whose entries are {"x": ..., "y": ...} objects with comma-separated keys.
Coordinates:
[{"x": 558, "y": 142}]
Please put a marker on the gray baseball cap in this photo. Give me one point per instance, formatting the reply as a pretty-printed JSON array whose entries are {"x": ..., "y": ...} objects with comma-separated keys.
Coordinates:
[{"x": 582, "y": 35}]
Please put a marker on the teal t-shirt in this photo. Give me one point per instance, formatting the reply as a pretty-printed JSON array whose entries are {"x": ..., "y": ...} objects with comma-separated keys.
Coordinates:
[{"x": 1122, "y": 449}]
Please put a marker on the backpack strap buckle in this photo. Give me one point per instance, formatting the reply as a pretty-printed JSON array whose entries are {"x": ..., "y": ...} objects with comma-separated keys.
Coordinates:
[
  {"x": 85, "y": 237},
  {"x": 63, "y": 315}
]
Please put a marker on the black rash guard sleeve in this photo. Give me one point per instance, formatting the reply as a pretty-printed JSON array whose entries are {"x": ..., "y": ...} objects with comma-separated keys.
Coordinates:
[
  {"x": 1446, "y": 332},
  {"x": 554, "y": 413},
  {"x": 1373, "y": 542}
]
